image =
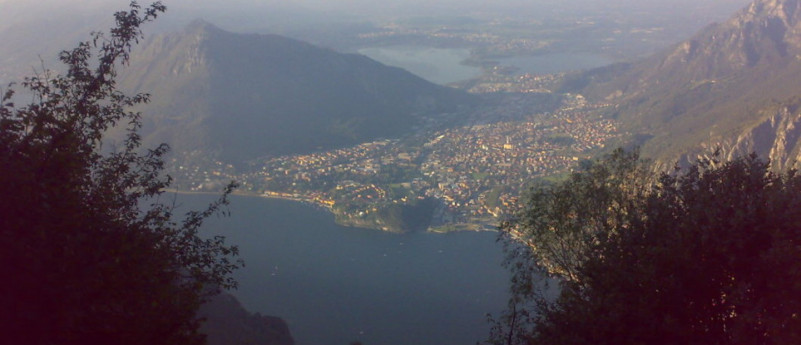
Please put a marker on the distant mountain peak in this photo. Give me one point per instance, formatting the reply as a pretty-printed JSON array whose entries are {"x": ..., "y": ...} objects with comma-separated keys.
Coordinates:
[
  {"x": 787, "y": 10},
  {"x": 199, "y": 30},
  {"x": 766, "y": 32},
  {"x": 200, "y": 24},
  {"x": 249, "y": 95},
  {"x": 714, "y": 86}
]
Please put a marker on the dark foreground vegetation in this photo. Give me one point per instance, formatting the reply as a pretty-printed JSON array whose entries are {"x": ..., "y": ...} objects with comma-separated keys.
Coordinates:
[
  {"x": 91, "y": 253},
  {"x": 618, "y": 255}
]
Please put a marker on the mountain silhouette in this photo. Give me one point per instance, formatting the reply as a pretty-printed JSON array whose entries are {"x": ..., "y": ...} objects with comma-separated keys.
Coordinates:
[{"x": 243, "y": 96}]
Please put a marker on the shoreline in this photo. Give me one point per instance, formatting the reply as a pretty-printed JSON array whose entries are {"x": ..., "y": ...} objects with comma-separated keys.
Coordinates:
[
  {"x": 455, "y": 227},
  {"x": 252, "y": 195}
]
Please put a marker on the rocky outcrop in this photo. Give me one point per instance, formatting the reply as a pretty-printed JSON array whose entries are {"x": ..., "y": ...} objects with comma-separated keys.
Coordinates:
[
  {"x": 228, "y": 323},
  {"x": 717, "y": 89},
  {"x": 775, "y": 135}
]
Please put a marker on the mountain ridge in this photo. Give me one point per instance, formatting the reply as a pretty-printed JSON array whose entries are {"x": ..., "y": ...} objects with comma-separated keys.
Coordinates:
[
  {"x": 248, "y": 95},
  {"x": 710, "y": 89}
]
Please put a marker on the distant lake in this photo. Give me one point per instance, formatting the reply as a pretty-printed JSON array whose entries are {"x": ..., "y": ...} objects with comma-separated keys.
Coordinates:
[
  {"x": 335, "y": 285},
  {"x": 555, "y": 63},
  {"x": 437, "y": 65},
  {"x": 443, "y": 66}
]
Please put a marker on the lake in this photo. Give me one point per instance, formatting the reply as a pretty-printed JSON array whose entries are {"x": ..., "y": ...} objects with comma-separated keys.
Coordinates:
[
  {"x": 336, "y": 285},
  {"x": 437, "y": 65},
  {"x": 443, "y": 66}
]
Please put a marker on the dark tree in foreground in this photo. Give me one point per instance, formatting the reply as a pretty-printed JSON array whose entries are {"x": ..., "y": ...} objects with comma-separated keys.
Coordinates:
[
  {"x": 707, "y": 255},
  {"x": 89, "y": 253}
]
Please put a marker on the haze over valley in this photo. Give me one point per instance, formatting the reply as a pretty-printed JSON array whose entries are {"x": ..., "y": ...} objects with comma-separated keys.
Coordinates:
[{"x": 397, "y": 133}]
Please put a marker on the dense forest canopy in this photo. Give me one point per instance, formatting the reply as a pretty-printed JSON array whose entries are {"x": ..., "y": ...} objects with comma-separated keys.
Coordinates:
[{"x": 704, "y": 255}]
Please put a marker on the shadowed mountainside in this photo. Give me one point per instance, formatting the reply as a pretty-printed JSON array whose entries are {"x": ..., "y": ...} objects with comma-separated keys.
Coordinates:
[
  {"x": 244, "y": 96},
  {"x": 228, "y": 323}
]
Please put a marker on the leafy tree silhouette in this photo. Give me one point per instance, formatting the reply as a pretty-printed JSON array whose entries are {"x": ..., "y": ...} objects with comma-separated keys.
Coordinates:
[
  {"x": 706, "y": 255},
  {"x": 90, "y": 253}
]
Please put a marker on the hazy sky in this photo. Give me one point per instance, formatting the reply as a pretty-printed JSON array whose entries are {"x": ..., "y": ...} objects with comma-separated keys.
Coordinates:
[
  {"x": 47, "y": 15},
  {"x": 10, "y": 8},
  {"x": 34, "y": 30},
  {"x": 28, "y": 27}
]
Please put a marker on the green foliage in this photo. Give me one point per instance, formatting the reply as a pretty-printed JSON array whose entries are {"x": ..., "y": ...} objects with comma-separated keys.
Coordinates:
[
  {"x": 562, "y": 221},
  {"x": 493, "y": 197},
  {"x": 561, "y": 139},
  {"x": 415, "y": 216},
  {"x": 91, "y": 254},
  {"x": 708, "y": 255}
]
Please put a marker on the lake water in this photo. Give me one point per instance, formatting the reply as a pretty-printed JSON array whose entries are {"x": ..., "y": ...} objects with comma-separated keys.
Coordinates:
[
  {"x": 443, "y": 66},
  {"x": 336, "y": 285},
  {"x": 437, "y": 65}
]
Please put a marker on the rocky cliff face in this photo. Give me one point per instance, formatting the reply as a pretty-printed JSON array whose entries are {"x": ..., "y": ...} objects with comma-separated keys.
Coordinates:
[
  {"x": 767, "y": 32},
  {"x": 776, "y": 136},
  {"x": 719, "y": 88},
  {"x": 764, "y": 32}
]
